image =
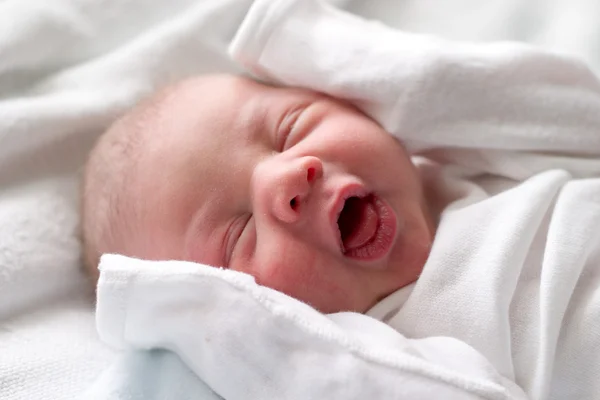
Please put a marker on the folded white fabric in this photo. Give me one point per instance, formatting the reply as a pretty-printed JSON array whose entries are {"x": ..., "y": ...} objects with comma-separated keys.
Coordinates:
[
  {"x": 149, "y": 375},
  {"x": 250, "y": 342},
  {"x": 427, "y": 91}
]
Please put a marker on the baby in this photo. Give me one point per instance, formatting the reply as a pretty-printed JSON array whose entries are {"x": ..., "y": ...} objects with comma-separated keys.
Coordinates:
[
  {"x": 304, "y": 192},
  {"x": 317, "y": 201}
]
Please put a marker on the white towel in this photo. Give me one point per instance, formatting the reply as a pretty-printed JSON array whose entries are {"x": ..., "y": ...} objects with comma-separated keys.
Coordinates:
[
  {"x": 425, "y": 90},
  {"x": 250, "y": 342}
]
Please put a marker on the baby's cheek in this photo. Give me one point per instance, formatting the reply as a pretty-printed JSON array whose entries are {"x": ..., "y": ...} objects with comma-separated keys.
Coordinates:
[
  {"x": 305, "y": 278},
  {"x": 288, "y": 270}
]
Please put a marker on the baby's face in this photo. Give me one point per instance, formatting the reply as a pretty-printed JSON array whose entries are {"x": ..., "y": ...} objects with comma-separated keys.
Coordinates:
[{"x": 303, "y": 192}]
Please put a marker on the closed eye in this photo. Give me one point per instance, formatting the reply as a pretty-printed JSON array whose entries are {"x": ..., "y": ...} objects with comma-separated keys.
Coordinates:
[
  {"x": 236, "y": 231},
  {"x": 286, "y": 126}
]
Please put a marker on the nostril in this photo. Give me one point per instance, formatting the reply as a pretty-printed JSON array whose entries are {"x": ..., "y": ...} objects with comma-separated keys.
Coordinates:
[
  {"x": 310, "y": 174},
  {"x": 294, "y": 203}
]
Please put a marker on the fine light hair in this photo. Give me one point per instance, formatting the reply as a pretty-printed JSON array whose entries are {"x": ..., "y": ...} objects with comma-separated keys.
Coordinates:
[
  {"x": 107, "y": 207},
  {"x": 106, "y": 211}
]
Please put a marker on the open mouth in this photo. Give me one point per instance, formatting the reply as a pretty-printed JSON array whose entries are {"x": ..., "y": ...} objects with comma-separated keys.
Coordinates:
[{"x": 367, "y": 227}]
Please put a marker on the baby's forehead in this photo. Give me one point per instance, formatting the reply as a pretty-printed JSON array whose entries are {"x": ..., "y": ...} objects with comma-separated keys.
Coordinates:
[{"x": 215, "y": 113}]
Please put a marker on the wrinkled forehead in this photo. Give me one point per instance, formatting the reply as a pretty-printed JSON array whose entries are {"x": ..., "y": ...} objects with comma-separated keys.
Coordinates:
[{"x": 217, "y": 115}]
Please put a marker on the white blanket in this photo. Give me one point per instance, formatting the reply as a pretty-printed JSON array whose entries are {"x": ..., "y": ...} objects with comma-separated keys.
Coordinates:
[
  {"x": 69, "y": 67},
  {"x": 249, "y": 342},
  {"x": 515, "y": 264}
]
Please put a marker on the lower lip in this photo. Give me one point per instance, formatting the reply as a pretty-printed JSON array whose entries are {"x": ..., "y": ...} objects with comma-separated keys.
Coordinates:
[{"x": 382, "y": 241}]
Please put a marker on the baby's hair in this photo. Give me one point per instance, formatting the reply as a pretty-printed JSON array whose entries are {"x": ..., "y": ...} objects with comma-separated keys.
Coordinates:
[
  {"x": 109, "y": 172},
  {"x": 108, "y": 211}
]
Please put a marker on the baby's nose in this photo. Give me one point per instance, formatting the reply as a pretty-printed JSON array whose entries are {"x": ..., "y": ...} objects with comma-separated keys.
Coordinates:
[{"x": 296, "y": 186}]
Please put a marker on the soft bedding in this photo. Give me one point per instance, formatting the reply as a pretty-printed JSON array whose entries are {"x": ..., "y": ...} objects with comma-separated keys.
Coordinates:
[
  {"x": 246, "y": 341},
  {"x": 67, "y": 69}
]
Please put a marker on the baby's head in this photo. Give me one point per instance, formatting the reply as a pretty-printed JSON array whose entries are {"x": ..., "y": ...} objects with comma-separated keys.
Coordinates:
[{"x": 302, "y": 191}]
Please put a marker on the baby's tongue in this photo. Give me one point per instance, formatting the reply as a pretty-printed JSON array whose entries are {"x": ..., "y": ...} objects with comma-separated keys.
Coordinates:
[{"x": 358, "y": 222}]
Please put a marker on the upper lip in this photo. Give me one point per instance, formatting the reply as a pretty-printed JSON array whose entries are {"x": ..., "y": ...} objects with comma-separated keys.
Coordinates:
[{"x": 337, "y": 205}]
